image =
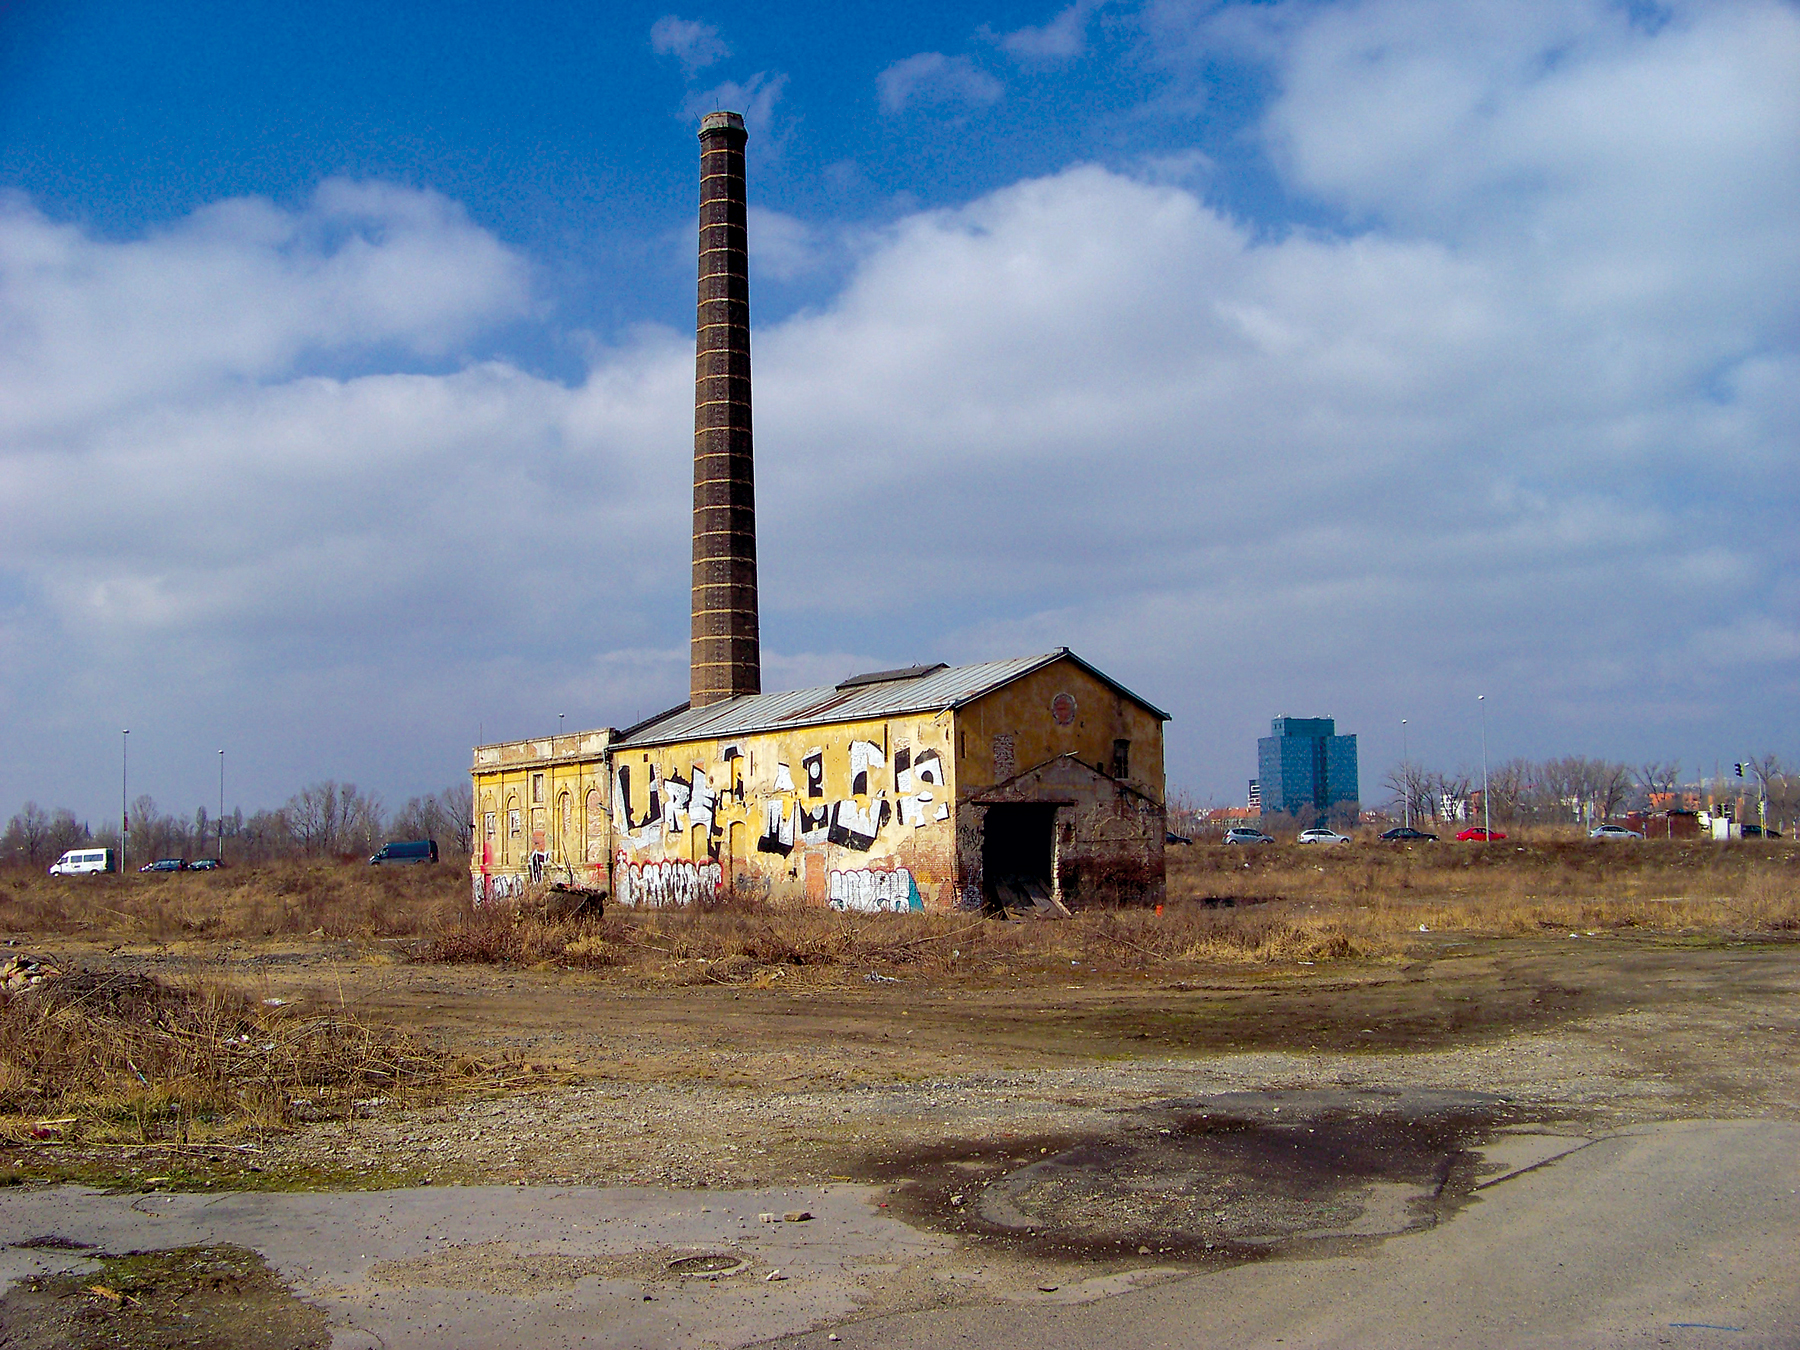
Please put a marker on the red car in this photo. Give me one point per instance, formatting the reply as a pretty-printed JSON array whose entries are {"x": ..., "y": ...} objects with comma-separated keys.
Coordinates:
[{"x": 1480, "y": 836}]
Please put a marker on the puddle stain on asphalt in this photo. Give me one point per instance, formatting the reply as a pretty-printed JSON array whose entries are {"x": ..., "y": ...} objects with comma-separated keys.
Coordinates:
[
  {"x": 1229, "y": 1177},
  {"x": 216, "y": 1296}
]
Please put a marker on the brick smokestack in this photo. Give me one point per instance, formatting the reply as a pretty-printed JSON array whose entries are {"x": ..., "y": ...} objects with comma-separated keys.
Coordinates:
[{"x": 726, "y": 653}]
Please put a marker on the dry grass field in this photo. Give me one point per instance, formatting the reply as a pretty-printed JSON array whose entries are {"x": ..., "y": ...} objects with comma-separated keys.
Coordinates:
[{"x": 110, "y": 1054}]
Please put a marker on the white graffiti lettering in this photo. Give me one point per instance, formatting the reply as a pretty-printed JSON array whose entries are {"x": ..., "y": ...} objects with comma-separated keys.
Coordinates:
[
  {"x": 492, "y": 890},
  {"x": 868, "y": 891},
  {"x": 660, "y": 885}
]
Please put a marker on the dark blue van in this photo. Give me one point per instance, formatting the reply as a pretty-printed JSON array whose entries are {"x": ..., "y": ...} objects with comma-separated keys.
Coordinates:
[{"x": 413, "y": 851}]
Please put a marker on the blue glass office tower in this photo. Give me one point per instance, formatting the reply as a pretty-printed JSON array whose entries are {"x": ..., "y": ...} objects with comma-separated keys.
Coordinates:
[{"x": 1306, "y": 769}]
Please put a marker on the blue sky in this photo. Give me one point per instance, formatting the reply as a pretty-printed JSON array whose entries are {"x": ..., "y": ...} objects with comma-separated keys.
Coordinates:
[{"x": 1315, "y": 358}]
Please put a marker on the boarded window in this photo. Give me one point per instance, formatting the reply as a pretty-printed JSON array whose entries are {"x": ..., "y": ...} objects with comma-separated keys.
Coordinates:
[{"x": 1121, "y": 765}]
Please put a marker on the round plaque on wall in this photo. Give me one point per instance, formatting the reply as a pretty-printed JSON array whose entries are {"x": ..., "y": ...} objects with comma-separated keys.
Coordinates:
[{"x": 1062, "y": 708}]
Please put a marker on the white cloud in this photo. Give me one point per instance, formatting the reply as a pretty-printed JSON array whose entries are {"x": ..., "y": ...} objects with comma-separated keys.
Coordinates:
[
  {"x": 755, "y": 98},
  {"x": 363, "y": 265},
  {"x": 1539, "y": 448},
  {"x": 783, "y": 247},
  {"x": 690, "y": 41},
  {"x": 932, "y": 77},
  {"x": 1051, "y": 44}
]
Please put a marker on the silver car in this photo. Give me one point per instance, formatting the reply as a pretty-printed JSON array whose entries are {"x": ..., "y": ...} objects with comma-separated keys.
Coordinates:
[
  {"x": 1245, "y": 835},
  {"x": 1613, "y": 832},
  {"x": 1321, "y": 835}
]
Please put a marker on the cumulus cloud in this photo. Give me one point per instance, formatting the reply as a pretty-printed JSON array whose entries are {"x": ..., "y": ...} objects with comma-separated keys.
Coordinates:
[
  {"x": 84, "y": 327},
  {"x": 1524, "y": 425},
  {"x": 784, "y": 247},
  {"x": 932, "y": 77},
  {"x": 693, "y": 43},
  {"x": 1051, "y": 44},
  {"x": 755, "y": 98}
]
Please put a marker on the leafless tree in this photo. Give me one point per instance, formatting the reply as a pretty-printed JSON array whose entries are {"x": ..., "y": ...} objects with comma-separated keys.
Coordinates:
[
  {"x": 265, "y": 835},
  {"x": 1659, "y": 778},
  {"x": 1445, "y": 791},
  {"x": 28, "y": 834},
  {"x": 331, "y": 817},
  {"x": 1779, "y": 788},
  {"x": 1512, "y": 788},
  {"x": 1410, "y": 786},
  {"x": 65, "y": 833},
  {"x": 443, "y": 816}
]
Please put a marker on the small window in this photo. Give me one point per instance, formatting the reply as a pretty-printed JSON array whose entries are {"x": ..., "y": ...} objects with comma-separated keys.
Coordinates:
[
  {"x": 537, "y": 787},
  {"x": 1121, "y": 766}
]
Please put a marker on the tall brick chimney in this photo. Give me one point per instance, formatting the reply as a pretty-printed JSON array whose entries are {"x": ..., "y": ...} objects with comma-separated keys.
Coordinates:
[{"x": 726, "y": 655}]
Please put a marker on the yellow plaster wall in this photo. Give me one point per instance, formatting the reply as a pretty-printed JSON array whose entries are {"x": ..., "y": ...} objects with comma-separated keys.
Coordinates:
[
  {"x": 1023, "y": 711},
  {"x": 841, "y": 852},
  {"x": 571, "y": 770}
]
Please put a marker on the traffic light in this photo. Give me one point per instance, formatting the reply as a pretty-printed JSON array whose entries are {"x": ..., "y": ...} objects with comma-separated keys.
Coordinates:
[{"x": 1740, "y": 770}]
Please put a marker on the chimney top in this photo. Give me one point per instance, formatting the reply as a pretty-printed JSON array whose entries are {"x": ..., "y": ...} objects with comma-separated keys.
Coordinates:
[{"x": 721, "y": 121}]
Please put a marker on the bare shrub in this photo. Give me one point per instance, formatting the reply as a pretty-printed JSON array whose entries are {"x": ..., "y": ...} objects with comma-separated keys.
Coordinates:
[{"x": 125, "y": 1056}]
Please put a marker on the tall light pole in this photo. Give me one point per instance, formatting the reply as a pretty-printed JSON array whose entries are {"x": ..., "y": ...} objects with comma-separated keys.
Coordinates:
[
  {"x": 1487, "y": 816},
  {"x": 124, "y": 812},
  {"x": 221, "y": 806},
  {"x": 1405, "y": 778}
]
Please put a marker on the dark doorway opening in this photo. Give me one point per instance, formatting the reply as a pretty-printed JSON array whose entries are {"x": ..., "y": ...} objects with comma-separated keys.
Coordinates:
[{"x": 1017, "y": 863}]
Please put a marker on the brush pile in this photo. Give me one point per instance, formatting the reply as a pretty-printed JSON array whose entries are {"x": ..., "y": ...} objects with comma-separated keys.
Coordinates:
[{"x": 108, "y": 1055}]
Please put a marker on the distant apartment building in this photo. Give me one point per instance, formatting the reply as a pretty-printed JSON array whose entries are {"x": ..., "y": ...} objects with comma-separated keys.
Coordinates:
[{"x": 1305, "y": 769}]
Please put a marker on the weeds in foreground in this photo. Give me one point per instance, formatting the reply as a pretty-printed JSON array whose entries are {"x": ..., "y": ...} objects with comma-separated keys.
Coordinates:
[
  {"x": 731, "y": 943},
  {"x": 114, "y": 1057},
  {"x": 1228, "y": 908},
  {"x": 328, "y": 900}
]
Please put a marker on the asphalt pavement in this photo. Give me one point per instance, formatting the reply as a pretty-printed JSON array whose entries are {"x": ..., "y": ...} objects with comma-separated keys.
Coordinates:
[{"x": 1684, "y": 1233}]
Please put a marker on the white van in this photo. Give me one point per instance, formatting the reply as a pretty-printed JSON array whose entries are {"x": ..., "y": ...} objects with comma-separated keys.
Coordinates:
[{"x": 79, "y": 861}]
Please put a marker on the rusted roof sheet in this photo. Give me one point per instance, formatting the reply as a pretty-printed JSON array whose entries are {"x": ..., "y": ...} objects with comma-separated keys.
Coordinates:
[{"x": 939, "y": 688}]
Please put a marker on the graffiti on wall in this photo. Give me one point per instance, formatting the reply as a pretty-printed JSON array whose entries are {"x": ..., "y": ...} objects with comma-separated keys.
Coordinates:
[
  {"x": 661, "y": 885},
  {"x": 492, "y": 890},
  {"x": 778, "y": 827},
  {"x": 782, "y": 802},
  {"x": 871, "y": 891}
]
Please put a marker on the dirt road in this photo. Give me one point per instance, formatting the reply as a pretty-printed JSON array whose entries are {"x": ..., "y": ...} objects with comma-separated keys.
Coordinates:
[{"x": 1013, "y": 1143}]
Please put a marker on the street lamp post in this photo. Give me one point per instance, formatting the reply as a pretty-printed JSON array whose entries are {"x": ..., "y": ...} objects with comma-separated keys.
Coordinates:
[
  {"x": 1487, "y": 816},
  {"x": 1405, "y": 779},
  {"x": 221, "y": 807},
  {"x": 124, "y": 812}
]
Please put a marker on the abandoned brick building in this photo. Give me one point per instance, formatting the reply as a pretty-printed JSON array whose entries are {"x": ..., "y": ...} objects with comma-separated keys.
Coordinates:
[{"x": 1037, "y": 780}]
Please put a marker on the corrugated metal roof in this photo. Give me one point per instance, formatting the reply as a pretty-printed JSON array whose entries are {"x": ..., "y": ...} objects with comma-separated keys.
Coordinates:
[{"x": 942, "y": 687}]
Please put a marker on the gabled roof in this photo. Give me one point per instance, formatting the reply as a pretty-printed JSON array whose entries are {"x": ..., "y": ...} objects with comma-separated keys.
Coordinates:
[{"x": 860, "y": 698}]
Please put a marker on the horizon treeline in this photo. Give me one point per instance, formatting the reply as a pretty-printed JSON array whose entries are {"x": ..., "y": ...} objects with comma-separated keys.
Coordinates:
[
  {"x": 326, "y": 819},
  {"x": 1569, "y": 789}
]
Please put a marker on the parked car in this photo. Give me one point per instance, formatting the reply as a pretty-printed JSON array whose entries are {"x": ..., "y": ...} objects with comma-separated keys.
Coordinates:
[
  {"x": 1616, "y": 833},
  {"x": 1321, "y": 835},
  {"x": 1170, "y": 837},
  {"x": 1406, "y": 834},
  {"x": 82, "y": 861},
  {"x": 406, "y": 851},
  {"x": 163, "y": 865},
  {"x": 1476, "y": 834},
  {"x": 204, "y": 865},
  {"x": 1758, "y": 832},
  {"x": 1243, "y": 834}
]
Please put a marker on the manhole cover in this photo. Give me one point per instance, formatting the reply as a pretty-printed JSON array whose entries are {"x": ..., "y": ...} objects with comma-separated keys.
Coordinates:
[{"x": 710, "y": 1264}]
